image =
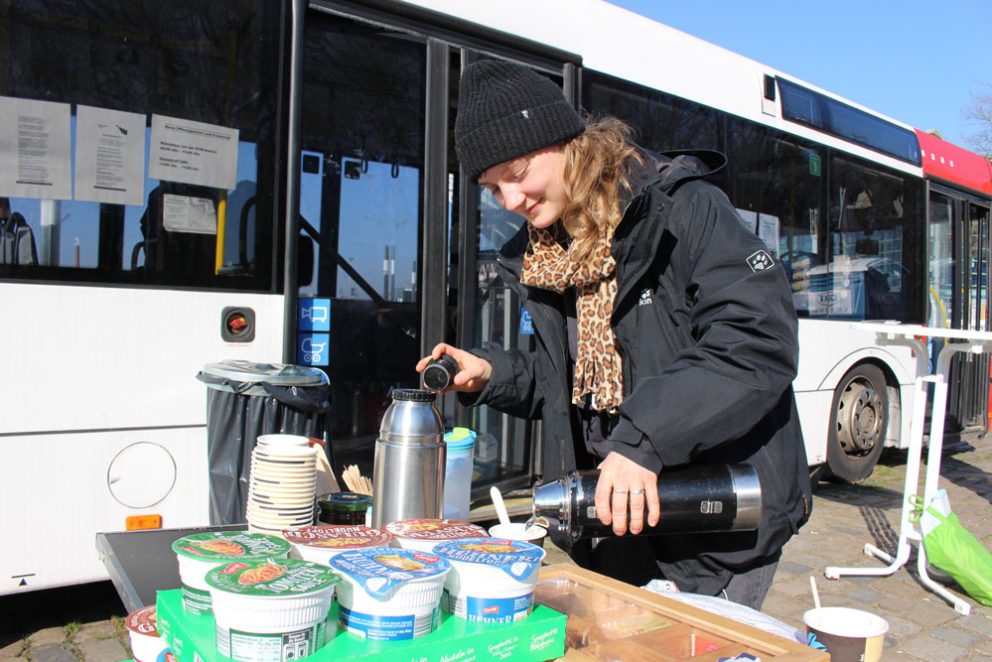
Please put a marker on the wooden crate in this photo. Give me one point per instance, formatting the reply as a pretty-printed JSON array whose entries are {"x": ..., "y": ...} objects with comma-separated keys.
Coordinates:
[{"x": 610, "y": 620}]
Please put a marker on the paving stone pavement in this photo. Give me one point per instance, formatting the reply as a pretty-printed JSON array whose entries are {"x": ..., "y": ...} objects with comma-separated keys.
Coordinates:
[{"x": 84, "y": 623}]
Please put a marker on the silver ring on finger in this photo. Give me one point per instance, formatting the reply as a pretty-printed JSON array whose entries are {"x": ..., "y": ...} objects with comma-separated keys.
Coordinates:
[{"x": 637, "y": 492}]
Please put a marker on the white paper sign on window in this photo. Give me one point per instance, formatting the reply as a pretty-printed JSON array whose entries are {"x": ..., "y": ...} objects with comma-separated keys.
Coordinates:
[
  {"x": 183, "y": 213},
  {"x": 193, "y": 152},
  {"x": 768, "y": 230},
  {"x": 35, "y": 141},
  {"x": 110, "y": 156},
  {"x": 749, "y": 219}
]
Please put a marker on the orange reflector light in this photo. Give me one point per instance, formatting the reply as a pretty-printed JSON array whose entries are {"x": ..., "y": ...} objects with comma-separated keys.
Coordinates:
[{"x": 141, "y": 522}]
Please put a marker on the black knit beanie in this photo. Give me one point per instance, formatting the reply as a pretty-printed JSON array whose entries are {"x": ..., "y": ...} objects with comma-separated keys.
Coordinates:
[{"x": 506, "y": 110}]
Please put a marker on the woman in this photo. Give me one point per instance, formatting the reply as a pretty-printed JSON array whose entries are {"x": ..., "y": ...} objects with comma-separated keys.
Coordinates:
[{"x": 666, "y": 332}]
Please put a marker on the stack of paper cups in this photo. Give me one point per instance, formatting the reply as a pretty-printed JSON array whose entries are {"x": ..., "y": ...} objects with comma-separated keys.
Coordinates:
[{"x": 282, "y": 483}]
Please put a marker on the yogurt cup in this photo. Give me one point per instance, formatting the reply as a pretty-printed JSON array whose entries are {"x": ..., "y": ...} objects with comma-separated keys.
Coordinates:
[
  {"x": 389, "y": 594},
  {"x": 318, "y": 544},
  {"x": 202, "y": 552},
  {"x": 273, "y": 609},
  {"x": 424, "y": 534},
  {"x": 492, "y": 580},
  {"x": 146, "y": 645}
]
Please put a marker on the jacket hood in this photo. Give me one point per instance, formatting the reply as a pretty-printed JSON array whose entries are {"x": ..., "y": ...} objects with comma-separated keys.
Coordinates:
[{"x": 679, "y": 166}]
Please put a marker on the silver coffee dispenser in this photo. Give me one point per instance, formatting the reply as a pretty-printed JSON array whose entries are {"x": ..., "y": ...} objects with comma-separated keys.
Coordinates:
[
  {"x": 408, "y": 470},
  {"x": 696, "y": 499}
]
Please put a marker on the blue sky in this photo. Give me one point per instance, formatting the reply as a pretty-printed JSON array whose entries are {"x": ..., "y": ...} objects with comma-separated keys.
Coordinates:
[{"x": 916, "y": 61}]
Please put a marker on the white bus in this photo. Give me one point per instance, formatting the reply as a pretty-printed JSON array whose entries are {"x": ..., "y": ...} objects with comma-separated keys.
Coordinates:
[{"x": 155, "y": 252}]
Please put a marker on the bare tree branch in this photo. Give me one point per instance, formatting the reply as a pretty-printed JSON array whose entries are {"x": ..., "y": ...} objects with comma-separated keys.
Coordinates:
[{"x": 979, "y": 111}]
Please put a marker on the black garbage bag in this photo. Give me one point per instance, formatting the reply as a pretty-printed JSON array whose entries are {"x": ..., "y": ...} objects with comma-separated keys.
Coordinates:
[{"x": 244, "y": 401}]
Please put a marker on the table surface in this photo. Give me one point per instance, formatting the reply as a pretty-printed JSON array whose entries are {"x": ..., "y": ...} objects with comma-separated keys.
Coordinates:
[{"x": 140, "y": 563}]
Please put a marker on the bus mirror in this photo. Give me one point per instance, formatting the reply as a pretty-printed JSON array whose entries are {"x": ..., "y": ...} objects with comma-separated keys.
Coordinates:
[{"x": 304, "y": 261}]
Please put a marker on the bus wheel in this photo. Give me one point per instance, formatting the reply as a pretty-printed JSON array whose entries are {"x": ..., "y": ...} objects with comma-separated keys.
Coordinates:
[{"x": 857, "y": 424}]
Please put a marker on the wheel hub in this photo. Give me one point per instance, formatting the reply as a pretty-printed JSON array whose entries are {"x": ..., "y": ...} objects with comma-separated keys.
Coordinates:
[{"x": 861, "y": 407}]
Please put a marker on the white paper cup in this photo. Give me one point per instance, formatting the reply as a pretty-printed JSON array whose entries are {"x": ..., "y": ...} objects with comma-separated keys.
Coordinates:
[
  {"x": 533, "y": 534},
  {"x": 282, "y": 440},
  {"x": 849, "y": 635}
]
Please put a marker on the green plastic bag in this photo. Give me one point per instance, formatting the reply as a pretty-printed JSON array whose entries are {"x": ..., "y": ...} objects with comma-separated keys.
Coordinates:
[{"x": 953, "y": 549}]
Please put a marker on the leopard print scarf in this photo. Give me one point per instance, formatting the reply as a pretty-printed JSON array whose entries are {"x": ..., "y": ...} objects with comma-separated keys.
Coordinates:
[{"x": 550, "y": 266}]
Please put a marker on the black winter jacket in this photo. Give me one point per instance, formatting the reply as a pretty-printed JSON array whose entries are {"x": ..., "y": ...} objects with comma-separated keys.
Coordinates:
[{"x": 705, "y": 324}]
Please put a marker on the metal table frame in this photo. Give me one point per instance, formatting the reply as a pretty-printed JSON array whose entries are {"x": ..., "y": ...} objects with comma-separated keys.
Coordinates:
[{"x": 959, "y": 340}]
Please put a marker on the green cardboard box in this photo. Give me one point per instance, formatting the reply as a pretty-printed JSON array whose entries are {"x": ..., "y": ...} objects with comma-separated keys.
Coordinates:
[{"x": 541, "y": 636}]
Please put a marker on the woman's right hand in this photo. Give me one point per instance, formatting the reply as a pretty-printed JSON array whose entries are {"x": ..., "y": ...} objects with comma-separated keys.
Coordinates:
[{"x": 473, "y": 372}]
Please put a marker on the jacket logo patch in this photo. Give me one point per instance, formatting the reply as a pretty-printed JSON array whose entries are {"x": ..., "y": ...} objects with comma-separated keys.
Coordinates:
[
  {"x": 645, "y": 299},
  {"x": 760, "y": 260}
]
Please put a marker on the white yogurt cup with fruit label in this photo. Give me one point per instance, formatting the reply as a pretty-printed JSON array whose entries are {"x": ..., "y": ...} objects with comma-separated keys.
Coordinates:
[
  {"x": 200, "y": 553},
  {"x": 318, "y": 544},
  {"x": 142, "y": 629},
  {"x": 424, "y": 534},
  {"x": 492, "y": 580},
  {"x": 274, "y": 609},
  {"x": 389, "y": 594}
]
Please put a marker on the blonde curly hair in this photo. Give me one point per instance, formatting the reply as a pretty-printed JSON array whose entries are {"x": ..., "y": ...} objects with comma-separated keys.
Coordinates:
[{"x": 595, "y": 177}]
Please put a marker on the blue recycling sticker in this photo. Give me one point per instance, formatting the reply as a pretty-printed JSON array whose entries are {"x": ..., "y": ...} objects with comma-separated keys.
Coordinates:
[{"x": 516, "y": 558}]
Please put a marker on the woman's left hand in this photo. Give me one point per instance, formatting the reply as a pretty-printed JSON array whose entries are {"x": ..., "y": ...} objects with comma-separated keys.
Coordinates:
[{"x": 623, "y": 483}]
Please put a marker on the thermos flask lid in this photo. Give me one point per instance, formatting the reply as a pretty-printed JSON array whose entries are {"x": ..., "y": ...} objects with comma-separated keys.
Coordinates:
[
  {"x": 438, "y": 373},
  {"x": 413, "y": 395}
]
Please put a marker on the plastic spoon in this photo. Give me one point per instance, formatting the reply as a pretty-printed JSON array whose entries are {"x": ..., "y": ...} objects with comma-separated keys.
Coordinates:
[
  {"x": 816, "y": 594},
  {"x": 504, "y": 517}
]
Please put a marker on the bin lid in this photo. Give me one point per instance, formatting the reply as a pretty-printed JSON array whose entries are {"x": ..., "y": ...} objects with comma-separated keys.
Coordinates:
[{"x": 271, "y": 373}]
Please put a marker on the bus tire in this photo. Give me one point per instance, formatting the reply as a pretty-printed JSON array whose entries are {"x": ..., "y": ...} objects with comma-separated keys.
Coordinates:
[{"x": 858, "y": 422}]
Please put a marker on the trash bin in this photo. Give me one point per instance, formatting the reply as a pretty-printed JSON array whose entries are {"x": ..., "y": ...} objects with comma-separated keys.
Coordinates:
[{"x": 245, "y": 400}]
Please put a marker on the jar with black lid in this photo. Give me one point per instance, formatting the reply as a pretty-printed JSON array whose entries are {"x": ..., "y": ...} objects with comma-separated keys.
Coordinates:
[{"x": 343, "y": 508}]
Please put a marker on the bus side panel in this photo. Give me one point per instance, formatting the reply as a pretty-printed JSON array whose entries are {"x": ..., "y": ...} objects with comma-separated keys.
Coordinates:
[
  {"x": 97, "y": 358},
  {"x": 828, "y": 349},
  {"x": 60, "y": 490},
  {"x": 814, "y": 415}
]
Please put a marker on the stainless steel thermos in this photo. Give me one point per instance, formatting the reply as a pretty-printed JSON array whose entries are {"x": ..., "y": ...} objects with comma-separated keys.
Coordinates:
[
  {"x": 408, "y": 470},
  {"x": 696, "y": 499}
]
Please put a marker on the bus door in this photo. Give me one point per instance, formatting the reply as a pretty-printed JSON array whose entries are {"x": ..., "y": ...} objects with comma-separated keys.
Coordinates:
[
  {"x": 959, "y": 296},
  {"x": 405, "y": 250},
  {"x": 508, "y": 449},
  {"x": 361, "y": 176}
]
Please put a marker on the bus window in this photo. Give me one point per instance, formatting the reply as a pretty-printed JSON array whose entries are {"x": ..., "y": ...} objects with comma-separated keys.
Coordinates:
[
  {"x": 208, "y": 64},
  {"x": 875, "y": 269},
  {"x": 777, "y": 183},
  {"x": 660, "y": 121},
  {"x": 362, "y": 142}
]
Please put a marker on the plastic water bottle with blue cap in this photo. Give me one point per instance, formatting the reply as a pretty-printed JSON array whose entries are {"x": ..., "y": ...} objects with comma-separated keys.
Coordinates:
[{"x": 459, "y": 443}]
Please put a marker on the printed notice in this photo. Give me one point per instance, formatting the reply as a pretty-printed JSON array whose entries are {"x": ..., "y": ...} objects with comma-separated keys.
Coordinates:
[
  {"x": 749, "y": 219},
  {"x": 193, "y": 152},
  {"x": 110, "y": 156},
  {"x": 183, "y": 213},
  {"x": 35, "y": 139},
  {"x": 768, "y": 230}
]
